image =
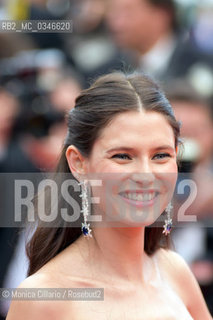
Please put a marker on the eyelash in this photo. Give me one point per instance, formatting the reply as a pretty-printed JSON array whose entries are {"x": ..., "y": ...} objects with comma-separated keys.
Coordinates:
[
  {"x": 125, "y": 156},
  {"x": 163, "y": 154}
]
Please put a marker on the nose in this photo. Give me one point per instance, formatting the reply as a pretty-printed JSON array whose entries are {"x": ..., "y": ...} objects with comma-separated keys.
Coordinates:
[{"x": 143, "y": 174}]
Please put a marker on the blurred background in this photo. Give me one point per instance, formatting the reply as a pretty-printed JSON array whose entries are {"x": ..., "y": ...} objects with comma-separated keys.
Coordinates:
[{"x": 41, "y": 74}]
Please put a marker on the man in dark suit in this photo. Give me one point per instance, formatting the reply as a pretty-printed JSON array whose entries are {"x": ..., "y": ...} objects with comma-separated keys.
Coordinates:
[{"x": 151, "y": 29}]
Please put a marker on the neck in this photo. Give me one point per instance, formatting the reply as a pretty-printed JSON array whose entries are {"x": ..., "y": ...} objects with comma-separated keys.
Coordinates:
[
  {"x": 151, "y": 42},
  {"x": 120, "y": 251}
]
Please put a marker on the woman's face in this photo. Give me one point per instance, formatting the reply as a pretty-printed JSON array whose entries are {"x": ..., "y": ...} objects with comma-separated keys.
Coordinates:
[{"x": 135, "y": 159}]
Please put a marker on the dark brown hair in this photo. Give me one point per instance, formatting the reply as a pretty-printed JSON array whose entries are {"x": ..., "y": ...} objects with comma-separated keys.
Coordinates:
[{"x": 108, "y": 96}]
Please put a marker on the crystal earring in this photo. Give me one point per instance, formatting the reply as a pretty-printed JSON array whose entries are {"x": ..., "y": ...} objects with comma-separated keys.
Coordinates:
[
  {"x": 168, "y": 222},
  {"x": 85, "y": 227}
]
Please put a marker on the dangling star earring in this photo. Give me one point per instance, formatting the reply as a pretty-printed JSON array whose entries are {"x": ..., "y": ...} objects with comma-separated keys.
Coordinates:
[
  {"x": 85, "y": 208},
  {"x": 168, "y": 222}
]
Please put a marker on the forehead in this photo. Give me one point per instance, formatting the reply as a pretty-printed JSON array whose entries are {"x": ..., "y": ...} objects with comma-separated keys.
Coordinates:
[{"x": 137, "y": 128}]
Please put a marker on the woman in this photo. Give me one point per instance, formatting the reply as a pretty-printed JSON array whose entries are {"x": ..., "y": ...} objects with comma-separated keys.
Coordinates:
[{"x": 123, "y": 133}]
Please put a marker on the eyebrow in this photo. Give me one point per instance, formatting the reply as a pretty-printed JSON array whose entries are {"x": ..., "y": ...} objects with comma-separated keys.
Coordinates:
[
  {"x": 120, "y": 148},
  {"x": 163, "y": 147},
  {"x": 167, "y": 146}
]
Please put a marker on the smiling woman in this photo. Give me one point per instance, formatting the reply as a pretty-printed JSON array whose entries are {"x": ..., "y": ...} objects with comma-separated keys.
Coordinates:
[
  {"x": 122, "y": 133},
  {"x": 139, "y": 156}
]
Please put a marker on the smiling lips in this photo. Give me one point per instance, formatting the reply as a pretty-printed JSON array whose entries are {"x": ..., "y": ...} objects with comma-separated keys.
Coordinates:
[{"x": 140, "y": 198}]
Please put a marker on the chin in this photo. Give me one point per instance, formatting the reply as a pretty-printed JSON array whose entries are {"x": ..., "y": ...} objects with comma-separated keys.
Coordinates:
[{"x": 131, "y": 218}]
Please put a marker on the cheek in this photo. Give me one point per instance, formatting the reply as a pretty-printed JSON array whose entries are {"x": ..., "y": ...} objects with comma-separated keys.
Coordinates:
[
  {"x": 169, "y": 167},
  {"x": 173, "y": 167},
  {"x": 105, "y": 166},
  {"x": 168, "y": 176}
]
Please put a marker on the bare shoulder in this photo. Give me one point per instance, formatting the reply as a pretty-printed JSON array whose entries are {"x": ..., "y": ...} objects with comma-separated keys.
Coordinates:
[
  {"x": 37, "y": 309},
  {"x": 172, "y": 261},
  {"x": 180, "y": 276}
]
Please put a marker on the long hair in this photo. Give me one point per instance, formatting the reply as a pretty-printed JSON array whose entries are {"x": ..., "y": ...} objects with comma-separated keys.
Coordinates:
[{"x": 95, "y": 107}]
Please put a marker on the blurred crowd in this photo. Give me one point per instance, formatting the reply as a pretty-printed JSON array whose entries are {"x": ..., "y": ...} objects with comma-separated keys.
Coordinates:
[{"x": 41, "y": 74}]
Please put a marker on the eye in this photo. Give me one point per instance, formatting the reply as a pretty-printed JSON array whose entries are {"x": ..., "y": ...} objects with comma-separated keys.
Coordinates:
[
  {"x": 162, "y": 156},
  {"x": 123, "y": 156}
]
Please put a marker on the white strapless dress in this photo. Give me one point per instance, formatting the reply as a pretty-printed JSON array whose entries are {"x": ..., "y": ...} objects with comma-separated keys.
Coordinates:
[{"x": 175, "y": 308}]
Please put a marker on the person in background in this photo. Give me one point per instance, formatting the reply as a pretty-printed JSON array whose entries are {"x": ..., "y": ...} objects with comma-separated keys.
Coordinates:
[
  {"x": 13, "y": 160},
  {"x": 152, "y": 30},
  {"x": 23, "y": 151},
  {"x": 194, "y": 241},
  {"x": 60, "y": 97},
  {"x": 196, "y": 117}
]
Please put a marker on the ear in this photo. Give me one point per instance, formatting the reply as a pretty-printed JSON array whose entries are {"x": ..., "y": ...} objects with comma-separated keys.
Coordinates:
[{"x": 76, "y": 162}]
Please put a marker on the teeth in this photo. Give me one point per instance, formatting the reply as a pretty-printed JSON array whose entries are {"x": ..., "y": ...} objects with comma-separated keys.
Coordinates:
[{"x": 140, "y": 196}]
